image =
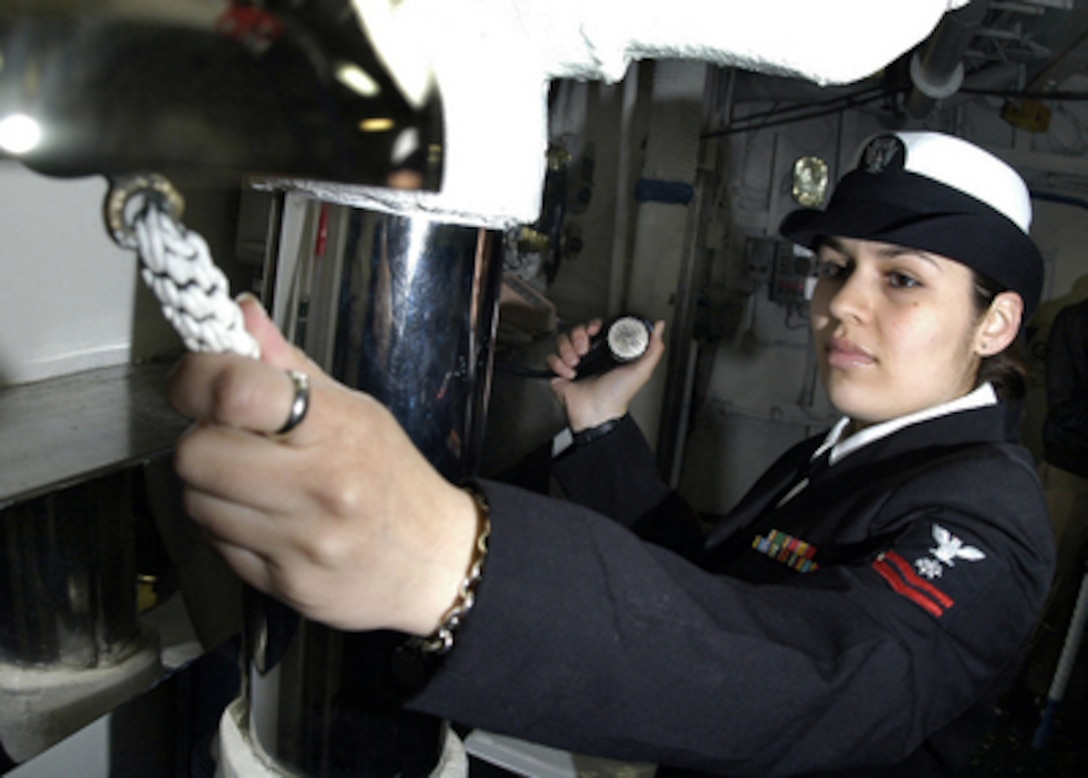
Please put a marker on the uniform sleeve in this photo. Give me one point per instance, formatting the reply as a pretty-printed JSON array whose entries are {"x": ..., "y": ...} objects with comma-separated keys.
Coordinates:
[
  {"x": 585, "y": 638},
  {"x": 617, "y": 476}
]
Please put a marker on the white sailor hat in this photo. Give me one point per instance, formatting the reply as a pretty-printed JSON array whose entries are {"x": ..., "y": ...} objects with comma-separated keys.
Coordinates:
[{"x": 938, "y": 193}]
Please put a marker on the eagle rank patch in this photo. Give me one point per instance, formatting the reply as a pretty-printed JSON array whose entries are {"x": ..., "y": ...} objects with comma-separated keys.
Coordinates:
[{"x": 916, "y": 582}]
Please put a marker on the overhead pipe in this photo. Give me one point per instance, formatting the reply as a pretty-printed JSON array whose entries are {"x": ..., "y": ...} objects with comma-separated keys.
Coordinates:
[
  {"x": 493, "y": 61},
  {"x": 937, "y": 71},
  {"x": 214, "y": 91}
]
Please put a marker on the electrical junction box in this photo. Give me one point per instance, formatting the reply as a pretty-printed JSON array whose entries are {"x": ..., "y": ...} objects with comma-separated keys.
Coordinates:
[{"x": 785, "y": 267}]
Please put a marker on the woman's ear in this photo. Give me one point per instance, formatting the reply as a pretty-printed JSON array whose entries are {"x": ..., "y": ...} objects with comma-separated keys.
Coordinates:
[{"x": 1000, "y": 324}]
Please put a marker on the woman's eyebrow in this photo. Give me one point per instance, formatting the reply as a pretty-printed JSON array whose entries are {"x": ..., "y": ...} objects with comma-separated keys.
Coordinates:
[
  {"x": 833, "y": 243},
  {"x": 892, "y": 252}
]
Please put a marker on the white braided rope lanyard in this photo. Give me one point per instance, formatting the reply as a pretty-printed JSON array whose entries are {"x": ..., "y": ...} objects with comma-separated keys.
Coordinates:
[{"x": 193, "y": 292}]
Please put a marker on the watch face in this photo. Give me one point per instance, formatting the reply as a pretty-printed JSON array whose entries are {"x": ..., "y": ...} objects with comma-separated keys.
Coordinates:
[
  {"x": 628, "y": 338},
  {"x": 809, "y": 181}
]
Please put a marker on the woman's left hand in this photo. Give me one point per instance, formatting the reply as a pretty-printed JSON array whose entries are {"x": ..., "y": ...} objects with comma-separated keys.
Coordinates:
[{"x": 593, "y": 401}]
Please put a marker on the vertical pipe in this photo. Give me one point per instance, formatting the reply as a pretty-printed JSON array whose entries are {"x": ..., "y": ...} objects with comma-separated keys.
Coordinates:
[
  {"x": 665, "y": 236},
  {"x": 68, "y": 598},
  {"x": 71, "y": 645},
  {"x": 683, "y": 349},
  {"x": 622, "y": 225},
  {"x": 1070, "y": 649},
  {"x": 412, "y": 319}
]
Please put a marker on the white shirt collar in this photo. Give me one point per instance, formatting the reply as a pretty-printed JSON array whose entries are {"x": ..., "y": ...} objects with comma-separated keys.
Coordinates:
[{"x": 981, "y": 397}]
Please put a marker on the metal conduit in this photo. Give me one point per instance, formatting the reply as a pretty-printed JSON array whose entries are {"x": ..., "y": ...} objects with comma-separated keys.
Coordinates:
[{"x": 403, "y": 308}]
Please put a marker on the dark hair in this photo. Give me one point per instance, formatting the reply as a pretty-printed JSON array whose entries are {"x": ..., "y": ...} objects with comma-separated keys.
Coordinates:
[{"x": 1006, "y": 370}]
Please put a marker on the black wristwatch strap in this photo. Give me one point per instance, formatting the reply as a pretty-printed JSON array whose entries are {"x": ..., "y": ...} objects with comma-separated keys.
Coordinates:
[{"x": 590, "y": 434}]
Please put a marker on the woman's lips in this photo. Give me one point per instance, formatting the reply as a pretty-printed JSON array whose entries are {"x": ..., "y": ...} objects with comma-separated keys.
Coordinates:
[{"x": 844, "y": 353}]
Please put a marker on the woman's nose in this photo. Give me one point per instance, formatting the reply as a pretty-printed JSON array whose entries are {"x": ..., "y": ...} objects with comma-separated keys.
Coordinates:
[{"x": 849, "y": 299}]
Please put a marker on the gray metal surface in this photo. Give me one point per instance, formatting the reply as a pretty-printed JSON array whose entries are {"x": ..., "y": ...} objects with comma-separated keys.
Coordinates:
[{"x": 69, "y": 429}]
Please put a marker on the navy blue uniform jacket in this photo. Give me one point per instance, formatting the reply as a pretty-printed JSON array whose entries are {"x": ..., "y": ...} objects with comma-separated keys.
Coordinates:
[{"x": 854, "y": 628}]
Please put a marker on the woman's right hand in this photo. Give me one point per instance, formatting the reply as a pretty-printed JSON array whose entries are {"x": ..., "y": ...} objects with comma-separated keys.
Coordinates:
[
  {"x": 342, "y": 517},
  {"x": 593, "y": 401}
]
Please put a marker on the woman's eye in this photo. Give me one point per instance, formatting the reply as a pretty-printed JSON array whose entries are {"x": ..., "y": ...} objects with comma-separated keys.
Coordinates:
[
  {"x": 903, "y": 281},
  {"x": 831, "y": 270}
]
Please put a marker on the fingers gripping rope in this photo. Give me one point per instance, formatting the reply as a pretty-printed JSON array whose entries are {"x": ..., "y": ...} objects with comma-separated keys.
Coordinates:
[
  {"x": 193, "y": 292},
  {"x": 177, "y": 266}
]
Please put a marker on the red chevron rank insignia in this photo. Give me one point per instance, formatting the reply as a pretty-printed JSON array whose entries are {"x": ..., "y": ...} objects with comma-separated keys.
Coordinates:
[
  {"x": 899, "y": 574},
  {"x": 915, "y": 582}
]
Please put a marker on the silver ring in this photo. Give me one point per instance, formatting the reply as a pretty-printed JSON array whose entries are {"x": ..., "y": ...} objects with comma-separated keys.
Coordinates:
[{"x": 300, "y": 404}]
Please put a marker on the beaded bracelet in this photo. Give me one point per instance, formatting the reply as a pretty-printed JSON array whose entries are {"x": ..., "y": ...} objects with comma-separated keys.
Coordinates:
[{"x": 440, "y": 641}]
